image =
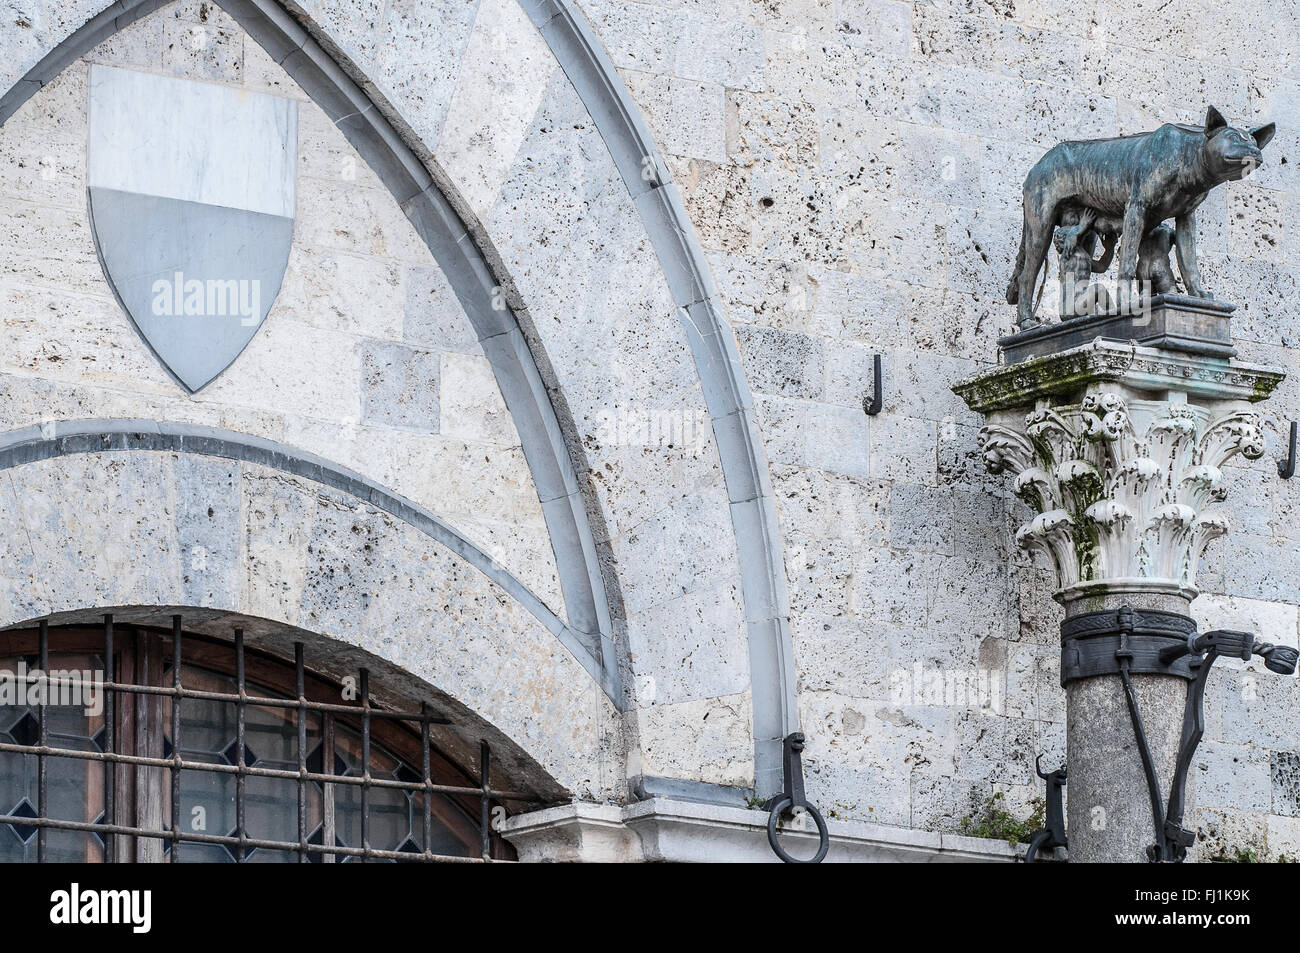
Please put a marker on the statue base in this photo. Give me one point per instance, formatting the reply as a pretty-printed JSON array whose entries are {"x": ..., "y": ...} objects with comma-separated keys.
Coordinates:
[{"x": 1174, "y": 322}]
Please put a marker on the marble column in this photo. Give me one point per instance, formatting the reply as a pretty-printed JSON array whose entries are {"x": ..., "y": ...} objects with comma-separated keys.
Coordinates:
[{"x": 1118, "y": 450}]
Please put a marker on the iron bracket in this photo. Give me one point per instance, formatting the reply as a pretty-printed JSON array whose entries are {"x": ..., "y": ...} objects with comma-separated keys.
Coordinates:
[
  {"x": 1128, "y": 641},
  {"x": 1201, "y": 652},
  {"x": 793, "y": 801},
  {"x": 1096, "y": 643},
  {"x": 1286, "y": 468},
  {"x": 1053, "y": 835},
  {"x": 873, "y": 404}
]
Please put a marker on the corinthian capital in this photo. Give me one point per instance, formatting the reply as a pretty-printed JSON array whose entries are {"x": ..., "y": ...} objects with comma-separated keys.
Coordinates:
[{"x": 1115, "y": 501}]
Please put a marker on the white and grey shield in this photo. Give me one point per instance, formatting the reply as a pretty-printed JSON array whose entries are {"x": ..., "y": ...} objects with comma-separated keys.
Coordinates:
[{"x": 192, "y": 204}]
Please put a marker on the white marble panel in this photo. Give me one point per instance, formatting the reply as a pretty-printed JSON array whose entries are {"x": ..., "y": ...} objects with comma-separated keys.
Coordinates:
[{"x": 196, "y": 142}]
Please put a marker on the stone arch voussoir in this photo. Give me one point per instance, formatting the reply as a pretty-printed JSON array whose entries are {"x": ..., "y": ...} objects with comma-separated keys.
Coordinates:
[{"x": 283, "y": 545}]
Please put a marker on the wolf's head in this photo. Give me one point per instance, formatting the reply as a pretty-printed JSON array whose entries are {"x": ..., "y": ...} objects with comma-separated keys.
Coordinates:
[{"x": 1232, "y": 153}]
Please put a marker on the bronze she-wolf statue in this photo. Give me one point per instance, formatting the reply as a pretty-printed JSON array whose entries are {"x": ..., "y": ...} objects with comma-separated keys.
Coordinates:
[{"x": 1129, "y": 186}]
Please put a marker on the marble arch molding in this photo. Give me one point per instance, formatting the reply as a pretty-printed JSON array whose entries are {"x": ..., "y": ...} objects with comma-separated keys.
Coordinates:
[{"x": 472, "y": 267}]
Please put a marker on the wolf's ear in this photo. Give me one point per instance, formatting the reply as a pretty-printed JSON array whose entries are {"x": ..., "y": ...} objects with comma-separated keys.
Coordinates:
[
  {"x": 1214, "y": 121},
  {"x": 1263, "y": 134}
]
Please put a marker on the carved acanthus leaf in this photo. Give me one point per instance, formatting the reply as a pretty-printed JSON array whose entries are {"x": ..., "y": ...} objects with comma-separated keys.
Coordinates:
[{"x": 1113, "y": 503}]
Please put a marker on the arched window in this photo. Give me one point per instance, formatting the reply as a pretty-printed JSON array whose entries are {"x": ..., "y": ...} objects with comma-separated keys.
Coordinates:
[{"x": 238, "y": 756}]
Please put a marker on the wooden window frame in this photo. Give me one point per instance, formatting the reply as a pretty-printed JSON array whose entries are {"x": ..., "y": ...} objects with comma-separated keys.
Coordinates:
[{"x": 143, "y": 794}]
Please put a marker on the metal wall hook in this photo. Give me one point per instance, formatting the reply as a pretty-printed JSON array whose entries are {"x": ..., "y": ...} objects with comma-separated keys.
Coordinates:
[
  {"x": 792, "y": 801},
  {"x": 1285, "y": 468},
  {"x": 873, "y": 403},
  {"x": 1052, "y": 835}
]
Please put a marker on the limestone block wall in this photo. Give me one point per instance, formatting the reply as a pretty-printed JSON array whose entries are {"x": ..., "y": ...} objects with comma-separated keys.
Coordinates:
[
  {"x": 573, "y": 259},
  {"x": 367, "y": 358},
  {"x": 851, "y": 169},
  {"x": 536, "y": 182},
  {"x": 854, "y": 170}
]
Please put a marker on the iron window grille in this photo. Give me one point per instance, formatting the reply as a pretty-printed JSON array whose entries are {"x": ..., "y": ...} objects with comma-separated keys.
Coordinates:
[{"x": 136, "y": 705}]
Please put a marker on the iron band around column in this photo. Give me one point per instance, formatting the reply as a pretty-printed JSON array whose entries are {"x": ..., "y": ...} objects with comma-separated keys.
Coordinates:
[{"x": 1091, "y": 643}]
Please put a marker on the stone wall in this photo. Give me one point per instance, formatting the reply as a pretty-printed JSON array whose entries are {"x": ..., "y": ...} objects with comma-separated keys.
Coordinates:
[
  {"x": 852, "y": 172},
  {"x": 253, "y": 547},
  {"x": 367, "y": 359}
]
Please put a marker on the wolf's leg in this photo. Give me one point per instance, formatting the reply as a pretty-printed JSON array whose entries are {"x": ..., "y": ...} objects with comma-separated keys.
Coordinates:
[
  {"x": 1185, "y": 245},
  {"x": 1130, "y": 244},
  {"x": 1102, "y": 264},
  {"x": 1013, "y": 289},
  {"x": 1037, "y": 238}
]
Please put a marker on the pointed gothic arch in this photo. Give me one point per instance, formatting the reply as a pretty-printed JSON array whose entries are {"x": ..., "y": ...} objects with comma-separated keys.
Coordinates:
[{"x": 464, "y": 252}]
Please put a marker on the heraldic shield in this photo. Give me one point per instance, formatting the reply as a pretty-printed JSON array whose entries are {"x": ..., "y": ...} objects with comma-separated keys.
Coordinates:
[{"x": 192, "y": 198}]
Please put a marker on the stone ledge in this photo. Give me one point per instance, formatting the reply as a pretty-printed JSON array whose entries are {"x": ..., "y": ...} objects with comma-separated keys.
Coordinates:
[
  {"x": 664, "y": 830},
  {"x": 1067, "y": 373},
  {"x": 572, "y": 833}
]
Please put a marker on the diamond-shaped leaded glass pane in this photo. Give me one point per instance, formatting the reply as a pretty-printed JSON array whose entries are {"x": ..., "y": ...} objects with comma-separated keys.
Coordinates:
[
  {"x": 24, "y": 832},
  {"x": 315, "y": 759},
  {"x": 232, "y": 754},
  {"x": 26, "y": 730}
]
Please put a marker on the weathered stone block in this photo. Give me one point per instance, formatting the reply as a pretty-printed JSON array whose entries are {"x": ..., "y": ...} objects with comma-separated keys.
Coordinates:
[
  {"x": 781, "y": 363},
  {"x": 826, "y": 505},
  {"x": 687, "y": 117},
  {"x": 690, "y": 648},
  {"x": 890, "y": 584},
  {"x": 342, "y": 292},
  {"x": 883, "y": 26},
  {"x": 820, "y": 573},
  {"x": 490, "y": 93},
  {"x": 838, "y": 440},
  {"x": 727, "y": 53},
  {"x": 400, "y": 387},
  {"x": 921, "y": 519},
  {"x": 203, "y": 50},
  {"x": 969, "y": 595},
  {"x": 705, "y": 740},
  {"x": 1228, "y": 776},
  {"x": 1285, "y": 776},
  {"x": 940, "y": 802},
  {"x": 903, "y": 449},
  {"x": 995, "y": 749},
  {"x": 470, "y": 405}
]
